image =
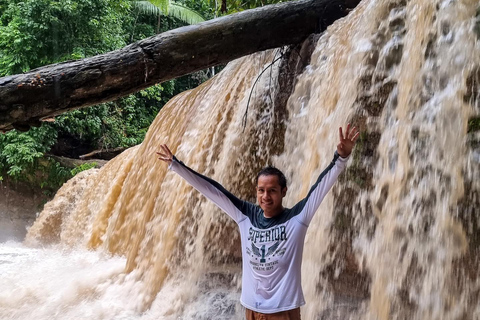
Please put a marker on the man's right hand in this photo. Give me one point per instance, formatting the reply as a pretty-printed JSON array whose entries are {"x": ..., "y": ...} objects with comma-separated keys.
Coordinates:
[{"x": 165, "y": 155}]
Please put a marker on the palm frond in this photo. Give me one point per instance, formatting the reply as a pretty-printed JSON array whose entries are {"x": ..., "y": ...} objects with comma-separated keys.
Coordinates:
[
  {"x": 163, "y": 5},
  {"x": 146, "y": 7},
  {"x": 184, "y": 13},
  {"x": 171, "y": 8}
]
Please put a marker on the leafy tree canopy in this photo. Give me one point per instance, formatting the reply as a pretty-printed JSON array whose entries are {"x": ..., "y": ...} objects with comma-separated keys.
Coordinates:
[{"x": 39, "y": 32}]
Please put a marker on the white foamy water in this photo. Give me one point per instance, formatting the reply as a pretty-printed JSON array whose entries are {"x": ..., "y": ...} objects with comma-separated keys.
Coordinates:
[
  {"x": 67, "y": 284},
  {"x": 58, "y": 283}
]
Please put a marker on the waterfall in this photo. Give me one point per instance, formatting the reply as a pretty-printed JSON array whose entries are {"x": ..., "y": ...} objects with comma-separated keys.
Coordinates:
[{"x": 396, "y": 238}]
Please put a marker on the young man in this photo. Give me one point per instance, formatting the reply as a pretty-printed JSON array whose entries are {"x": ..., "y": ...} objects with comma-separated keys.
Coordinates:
[{"x": 272, "y": 236}]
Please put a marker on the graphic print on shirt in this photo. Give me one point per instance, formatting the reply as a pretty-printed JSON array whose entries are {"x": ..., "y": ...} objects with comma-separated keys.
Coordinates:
[
  {"x": 264, "y": 253},
  {"x": 261, "y": 251}
]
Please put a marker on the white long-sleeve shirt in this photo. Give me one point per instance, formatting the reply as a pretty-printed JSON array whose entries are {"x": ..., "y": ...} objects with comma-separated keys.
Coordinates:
[{"x": 272, "y": 248}]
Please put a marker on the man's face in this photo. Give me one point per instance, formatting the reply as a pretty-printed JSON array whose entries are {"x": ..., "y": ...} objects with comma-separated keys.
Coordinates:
[{"x": 270, "y": 195}]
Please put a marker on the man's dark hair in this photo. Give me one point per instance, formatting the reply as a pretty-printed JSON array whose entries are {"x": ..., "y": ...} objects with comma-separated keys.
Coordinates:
[{"x": 272, "y": 171}]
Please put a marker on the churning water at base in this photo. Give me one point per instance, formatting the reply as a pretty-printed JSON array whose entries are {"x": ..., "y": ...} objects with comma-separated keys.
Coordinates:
[
  {"x": 398, "y": 237},
  {"x": 59, "y": 283},
  {"x": 67, "y": 284}
]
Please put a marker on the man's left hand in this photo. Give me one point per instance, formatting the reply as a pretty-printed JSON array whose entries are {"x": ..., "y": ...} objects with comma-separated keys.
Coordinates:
[{"x": 347, "y": 141}]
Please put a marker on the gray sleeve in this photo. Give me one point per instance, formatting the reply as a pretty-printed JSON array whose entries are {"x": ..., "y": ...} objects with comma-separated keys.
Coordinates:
[
  {"x": 214, "y": 191},
  {"x": 306, "y": 208}
]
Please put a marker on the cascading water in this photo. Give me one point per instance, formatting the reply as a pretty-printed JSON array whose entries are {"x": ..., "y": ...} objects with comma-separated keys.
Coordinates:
[{"x": 396, "y": 238}]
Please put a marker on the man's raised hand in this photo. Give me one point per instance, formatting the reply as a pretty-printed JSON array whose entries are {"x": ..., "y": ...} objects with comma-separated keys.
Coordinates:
[
  {"x": 165, "y": 154},
  {"x": 347, "y": 141}
]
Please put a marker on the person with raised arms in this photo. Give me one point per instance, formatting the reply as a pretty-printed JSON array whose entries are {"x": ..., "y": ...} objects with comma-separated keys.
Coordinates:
[{"x": 272, "y": 237}]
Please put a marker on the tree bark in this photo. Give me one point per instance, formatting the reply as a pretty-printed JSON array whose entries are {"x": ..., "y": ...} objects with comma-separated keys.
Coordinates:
[{"x": 26, "y": 99}]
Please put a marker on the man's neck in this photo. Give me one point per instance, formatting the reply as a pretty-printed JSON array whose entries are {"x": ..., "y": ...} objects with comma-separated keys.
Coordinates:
[{"x": 273, "y": 213}]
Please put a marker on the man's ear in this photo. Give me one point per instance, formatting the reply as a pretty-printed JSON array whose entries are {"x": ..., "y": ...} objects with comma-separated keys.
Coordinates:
[{"x": 284, "y": 192}]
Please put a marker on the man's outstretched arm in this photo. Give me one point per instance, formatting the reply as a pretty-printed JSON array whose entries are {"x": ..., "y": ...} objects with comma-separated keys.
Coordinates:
[
  {"x": 306, "y": 208},
  {"x": 211, "y": 189}
]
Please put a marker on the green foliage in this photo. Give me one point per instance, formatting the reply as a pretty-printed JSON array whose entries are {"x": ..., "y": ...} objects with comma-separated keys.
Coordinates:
[
  {"x": 51, "y": 175},
  {"x": 184, "y": 14},
  {"x": 169, "y": 7},
  {"x": 20, "y": 152},
  {"x": 240, "y": 5},
  {"x": 38, "y": 32},
  {"x": 161, "y": 4},
  {"x": 22, "y": 158},
  {"x": 211, "y": 9},
  {"x": 206, "y": 7},
  {"x": 121, "y": 123},
  {"x": 82, "y": 167}
]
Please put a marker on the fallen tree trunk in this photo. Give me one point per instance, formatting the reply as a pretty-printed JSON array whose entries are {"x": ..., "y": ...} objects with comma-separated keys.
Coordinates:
[{"x": 26, "y": 99}]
